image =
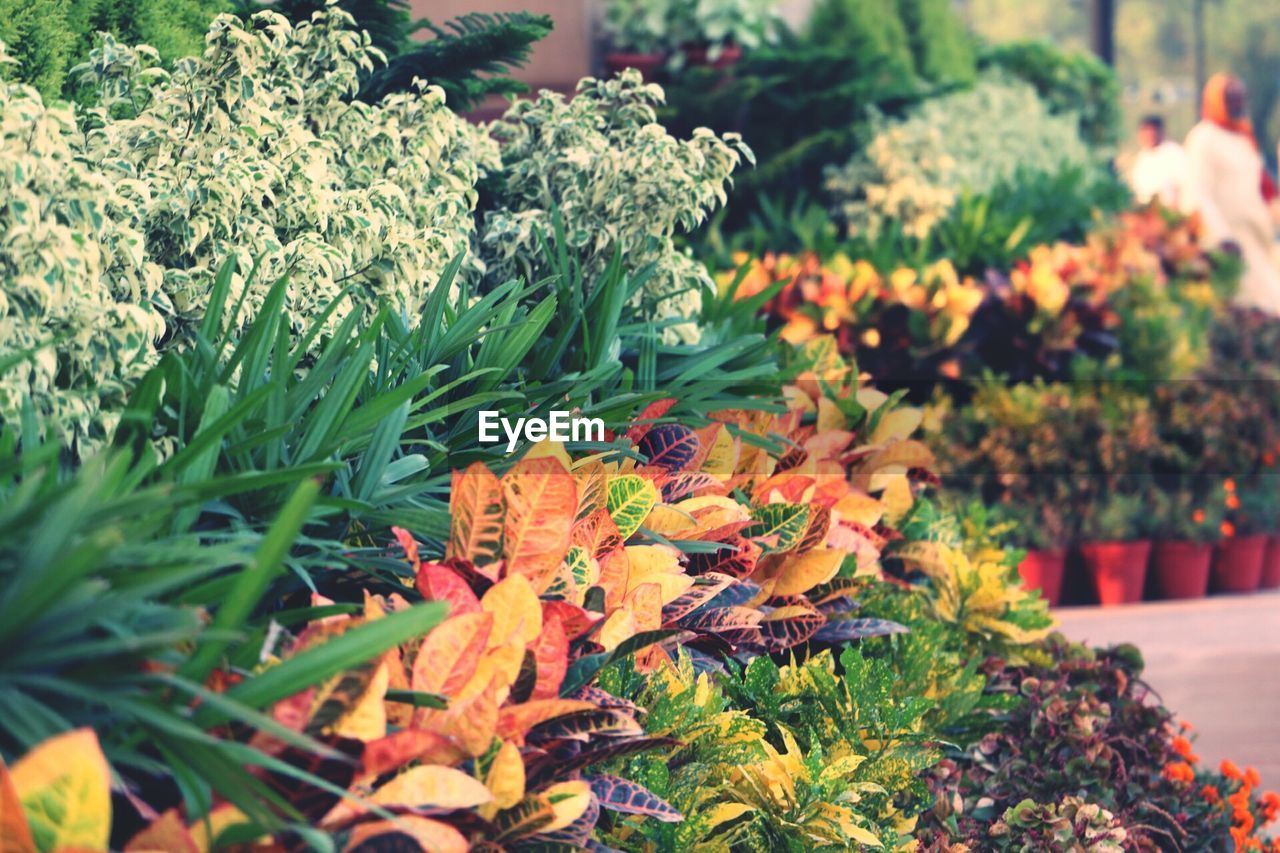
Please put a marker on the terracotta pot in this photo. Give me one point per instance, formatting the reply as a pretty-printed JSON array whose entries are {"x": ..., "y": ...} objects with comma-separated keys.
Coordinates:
[
  {"x": 1043, "y": 570},
  {"x": 1271, "y": 564},
  {"x": 645, "y": 63},
  {"x": 1237, "y": 563},
  {"x": 728, "y": 56},
  {"x": 1180, "y": 569},
  {"x": 1118, "y": 569}
]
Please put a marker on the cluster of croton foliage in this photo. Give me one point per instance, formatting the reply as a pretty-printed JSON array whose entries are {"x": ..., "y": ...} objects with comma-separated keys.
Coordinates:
[
  {"x": 115, "y": 217},
  {"x": 913, "y": 170},
  {"x": 576, "y": 658}
]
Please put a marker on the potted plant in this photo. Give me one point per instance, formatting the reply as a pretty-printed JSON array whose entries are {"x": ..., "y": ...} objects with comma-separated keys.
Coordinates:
[
  {"x": 1184, "y": 529},
  {"x": 1036, "y": 531},
  {"x": 1238, "y": 559},
  {"x": 646, "y": 34},
  {"x": 1115, "y": 548},
  {"x": 1270, "y": 481}
]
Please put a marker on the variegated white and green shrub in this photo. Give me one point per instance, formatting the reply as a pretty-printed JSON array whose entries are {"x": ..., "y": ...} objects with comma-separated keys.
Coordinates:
[
  {"x": 620, "y": 182},
  {"x": 913, "y": 170},
  {"x": 115, "y": 220}
]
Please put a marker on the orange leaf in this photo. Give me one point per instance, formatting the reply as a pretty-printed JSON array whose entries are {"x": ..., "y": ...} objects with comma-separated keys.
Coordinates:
[
  {"x": 551, "y": 657},
  {"x": 15, "y": 835},
  {"x": 428, "y": 834},
  {"x": 399, "y": 748},
  {"x": 515, "y": 720},
  {"x": 475, "y": 505},
  {"x": 450, "y": 653},
  {"x": 541, "y": 503},
  {"x": 167, "y": 833}
]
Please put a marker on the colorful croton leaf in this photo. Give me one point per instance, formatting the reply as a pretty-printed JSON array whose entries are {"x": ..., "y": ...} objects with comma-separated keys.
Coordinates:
[{"x": 57, "y": 797}]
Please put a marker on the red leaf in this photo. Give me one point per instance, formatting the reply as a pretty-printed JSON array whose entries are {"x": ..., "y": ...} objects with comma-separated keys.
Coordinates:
[
  {"x": 574, "y": 620},
  {"x": 438, "y": 583},
  {"x": 654, "y": 410},
  {"x": 669, "y": 446},
  {"x": 475, "y": 505}
]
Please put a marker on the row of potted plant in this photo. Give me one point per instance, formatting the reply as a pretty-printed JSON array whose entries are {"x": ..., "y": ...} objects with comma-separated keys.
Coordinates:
[{"x": 1165, "y": 545}]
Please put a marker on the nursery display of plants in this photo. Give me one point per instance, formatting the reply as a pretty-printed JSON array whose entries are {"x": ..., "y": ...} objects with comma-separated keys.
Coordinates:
[{"x": 372, "y": 479}]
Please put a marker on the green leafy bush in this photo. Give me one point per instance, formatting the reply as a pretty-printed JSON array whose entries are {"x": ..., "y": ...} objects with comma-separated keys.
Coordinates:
[
  {"x": 1069, "y": 81},
  {"x": 49, "y": 38},
  {"x": 622, "y": 186},
  {"x": 672, "y": 26},
  {"x": 944, "y": 50},
  {"x": 912, "y": 171},
  {"x": 117, "y": 220}
]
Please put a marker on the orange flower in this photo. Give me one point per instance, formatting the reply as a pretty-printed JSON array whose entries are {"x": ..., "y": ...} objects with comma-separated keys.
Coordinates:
[
  {"x": 1198, "y": 516},
  {"x": 1182, "y": 746},
  {"x": 1229, "y": 769},
  {"x": 1210, "y": 795},
  {"x": 1233, "y": 501},
  {"x": 1268, "y": 458},
  {"x": 1270, "y": 804},
  {"x": 1185, "y": 726},
  {"x": 1229, "y": 485},
  {"x": 1251, "y": 777},
  {"x": 1227, "y": 529},
  {"x": 1179, "y": 771}
]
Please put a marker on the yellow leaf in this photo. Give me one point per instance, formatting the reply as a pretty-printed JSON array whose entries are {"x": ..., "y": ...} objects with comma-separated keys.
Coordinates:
[
  {"x": 830, "y": 418},
  {"x": 725, "y": 812},
  {"x": 206, "y": 831},
  {"x": 65, "y": 788},
  {"x": 668, "y": 521},
  {"x": 645, "y": 603},
  {"x": 15, "y": 835},
  {"x": 870, "y": 399},
  {"x": 432, "y": 786},
  {"x": 657, "y": 564},
  {"x": 729, "y": 505},
  {"x": 859, "y": 508},
  {"x": 505, "y": 779},
  {"x": 801, "y": 574},
  {"x": 517, "y": 614},
  {"x": 548, "y": 449},
  {"x": 569, "y": 800},
  {"x": 897, "y": 425},
  {"x": 897, "y": 498},
  {"x": 367, "y": 718},
  {"x": 722, "y": 459},
  {"x": 620, "y": 626}
]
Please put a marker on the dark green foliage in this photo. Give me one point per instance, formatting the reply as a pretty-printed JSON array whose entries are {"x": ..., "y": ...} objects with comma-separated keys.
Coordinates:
[
  {"x": 39, "y": 37},
  {"x": 49, "y": 37},
  {"x": 799, "y": 107},
  {"x": 1068, "y": 81},
  {"x": 944, "y": 50},
  {"x": 466, "y": 58},
  {"x": 388, "y": 22},
  {"x": 864, "y": 28}
]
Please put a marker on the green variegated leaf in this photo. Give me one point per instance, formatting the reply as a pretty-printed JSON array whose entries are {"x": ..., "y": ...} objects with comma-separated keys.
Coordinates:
[{"x": 631, "y": 497}]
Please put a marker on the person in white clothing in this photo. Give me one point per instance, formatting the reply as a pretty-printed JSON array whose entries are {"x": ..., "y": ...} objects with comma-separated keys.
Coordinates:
[
  {"x": 1160, "y": 168},
  {"x": 1228, "y": 186}
]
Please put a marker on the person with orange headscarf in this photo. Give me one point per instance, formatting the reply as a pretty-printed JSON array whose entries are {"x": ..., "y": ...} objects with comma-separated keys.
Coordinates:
[{"x": 1228, "y": 186}]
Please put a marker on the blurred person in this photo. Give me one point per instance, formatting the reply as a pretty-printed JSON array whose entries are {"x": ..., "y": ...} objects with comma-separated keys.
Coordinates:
[
  {"x": 1228, "y": 186},
  {"x": 1160, "y": 168}
]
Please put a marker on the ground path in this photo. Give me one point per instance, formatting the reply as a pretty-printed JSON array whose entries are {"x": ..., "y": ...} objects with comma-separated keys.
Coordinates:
[{"x": 1214, "y": 661}]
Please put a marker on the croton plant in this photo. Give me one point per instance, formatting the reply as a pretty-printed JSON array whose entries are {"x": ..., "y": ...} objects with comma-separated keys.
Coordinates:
[{"x": 739, "y": 537}]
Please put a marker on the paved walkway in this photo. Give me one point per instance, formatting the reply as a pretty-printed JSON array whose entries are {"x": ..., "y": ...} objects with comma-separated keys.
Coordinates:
[{"x": 1215, "y": 662}]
